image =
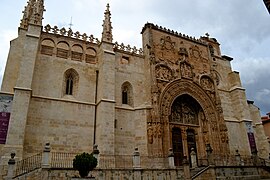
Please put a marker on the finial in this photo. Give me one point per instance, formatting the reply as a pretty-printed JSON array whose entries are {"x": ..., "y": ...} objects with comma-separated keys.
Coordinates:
[
  {"x": 207, "y": 35},
  {"x": 70, "y": 24},
  {"x": 108, "y": 7},
  {"x": 33, "y": 13},
  {"x": 107, "y": 26}
]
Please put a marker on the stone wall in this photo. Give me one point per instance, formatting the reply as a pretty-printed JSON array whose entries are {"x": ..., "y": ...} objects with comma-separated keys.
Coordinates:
[
  {"x": 67, "y": 125},
  {"x": 113, "y": 174}
]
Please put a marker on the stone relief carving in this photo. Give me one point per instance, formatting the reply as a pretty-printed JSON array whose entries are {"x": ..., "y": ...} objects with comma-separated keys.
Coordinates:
[
  {"x": 204, "y": 122},
  {"x": 208, "y": 85},
  {"x": 163, "y": 73},
  {"x": 165, "y": 51},
  {"x": 183, "y": 113},
  {"x": 216, "y": 76},
  {"x": 167, "y": 43},
  {"x": 186, "y": 70}
]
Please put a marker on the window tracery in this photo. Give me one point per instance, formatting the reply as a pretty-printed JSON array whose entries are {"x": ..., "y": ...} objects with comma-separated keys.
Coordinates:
[{"x": 71, "y": 79}]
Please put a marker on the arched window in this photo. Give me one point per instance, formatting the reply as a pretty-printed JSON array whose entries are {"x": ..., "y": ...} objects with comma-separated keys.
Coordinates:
[
  {"x": 127, "y": 94},
  {"x": 71, "y": 79},
  {"x": 69, "y": 85}
]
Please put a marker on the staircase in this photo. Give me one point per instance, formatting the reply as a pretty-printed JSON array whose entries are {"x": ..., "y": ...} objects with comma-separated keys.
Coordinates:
[
  {"x": 28, "y": 165},
  {"x": 198, "y": 171}
]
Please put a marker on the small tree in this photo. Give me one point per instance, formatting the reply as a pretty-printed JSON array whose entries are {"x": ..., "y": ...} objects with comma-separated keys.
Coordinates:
[{"x": 84, "y": 163}]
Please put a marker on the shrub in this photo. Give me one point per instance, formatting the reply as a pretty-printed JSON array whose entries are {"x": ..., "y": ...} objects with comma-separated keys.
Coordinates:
[{"x": 84, "y": 163}]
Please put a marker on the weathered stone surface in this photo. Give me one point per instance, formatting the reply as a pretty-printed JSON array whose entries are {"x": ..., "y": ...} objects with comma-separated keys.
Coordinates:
[{"x": 182, "y": 94}]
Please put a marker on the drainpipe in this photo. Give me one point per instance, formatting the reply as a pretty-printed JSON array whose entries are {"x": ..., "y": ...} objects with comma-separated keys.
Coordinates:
[{"x": 95, "y": 115}]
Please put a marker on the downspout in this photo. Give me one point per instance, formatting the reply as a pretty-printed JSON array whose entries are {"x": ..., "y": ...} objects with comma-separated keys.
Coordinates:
[{"x": 95, "y": 114}]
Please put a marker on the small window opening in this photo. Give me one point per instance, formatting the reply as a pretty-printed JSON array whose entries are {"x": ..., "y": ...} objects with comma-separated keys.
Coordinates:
[
  {"x": 125, "y": 96},
  {"x": 69, "y": 85},
  {"x": 125, "y": 60}
]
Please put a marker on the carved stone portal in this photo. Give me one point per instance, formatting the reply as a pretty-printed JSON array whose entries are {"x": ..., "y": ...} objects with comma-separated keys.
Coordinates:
[{"x": 185, "y": 104}]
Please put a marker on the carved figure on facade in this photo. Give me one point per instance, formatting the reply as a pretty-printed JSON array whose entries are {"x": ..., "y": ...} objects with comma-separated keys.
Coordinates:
[
  {"x": 188, "y": 114},
  {"x": 163, "y": 73},
  {"x": 203, "y": 120},
  {"x": 215, "y": 76},
  {"x": 186, "y": 70},
  {"x": 208, "y": 85},
  {"x": 183, "y": 113}
]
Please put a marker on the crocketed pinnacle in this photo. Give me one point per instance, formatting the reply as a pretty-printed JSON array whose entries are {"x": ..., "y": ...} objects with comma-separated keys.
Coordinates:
[
  {"x": 33, "y": 13},
  {"x": 107, "y": 26}
]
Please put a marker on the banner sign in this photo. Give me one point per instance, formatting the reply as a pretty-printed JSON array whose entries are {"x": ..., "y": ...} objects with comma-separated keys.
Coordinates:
[
  {"x": 5, "y": 110},
  {"x": 251, "y": 137}
]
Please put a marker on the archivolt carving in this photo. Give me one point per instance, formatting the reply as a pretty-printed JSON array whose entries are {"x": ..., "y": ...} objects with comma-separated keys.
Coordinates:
[
  {"x": 180, "y": 87},
  {"x": 208, "y": 85},
  {"x": 216, "y": 76},
  {"x": 212, "y": 130}
]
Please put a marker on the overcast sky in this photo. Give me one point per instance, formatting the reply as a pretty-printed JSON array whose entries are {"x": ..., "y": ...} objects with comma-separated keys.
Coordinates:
[{"x": 241, "y": 26}]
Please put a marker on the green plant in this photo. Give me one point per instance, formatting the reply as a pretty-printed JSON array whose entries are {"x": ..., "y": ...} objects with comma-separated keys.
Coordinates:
[{"x": 84, "y": 163}]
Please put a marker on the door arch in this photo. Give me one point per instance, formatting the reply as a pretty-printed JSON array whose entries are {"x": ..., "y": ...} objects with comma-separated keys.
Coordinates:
[{"x": 181, "y": 88}]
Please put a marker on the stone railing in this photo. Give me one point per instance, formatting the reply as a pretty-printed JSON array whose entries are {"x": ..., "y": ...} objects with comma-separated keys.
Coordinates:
[
  {"x": 62, "y": 160},
  {"x": 28, "y": 165},
  {"x": 128, "y": 49},
  {"x": 70, "y": 33},
  {"x": 134, "y": 162}
]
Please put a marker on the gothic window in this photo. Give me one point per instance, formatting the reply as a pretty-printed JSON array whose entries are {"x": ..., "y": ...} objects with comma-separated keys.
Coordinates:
[
  {"x": 71, "y": 79},
  {"x": 127, "y": 94},
  {"x": 69, "y": 85}
]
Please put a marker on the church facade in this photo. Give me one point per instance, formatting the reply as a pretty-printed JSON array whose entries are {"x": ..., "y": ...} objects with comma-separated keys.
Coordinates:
[{"x": 74, "y": 91}]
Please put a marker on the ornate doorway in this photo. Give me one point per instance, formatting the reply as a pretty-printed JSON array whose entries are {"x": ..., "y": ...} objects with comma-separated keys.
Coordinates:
[
  {"x": 187, "y": 106},
  {"x": 184, "y": 119}
]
